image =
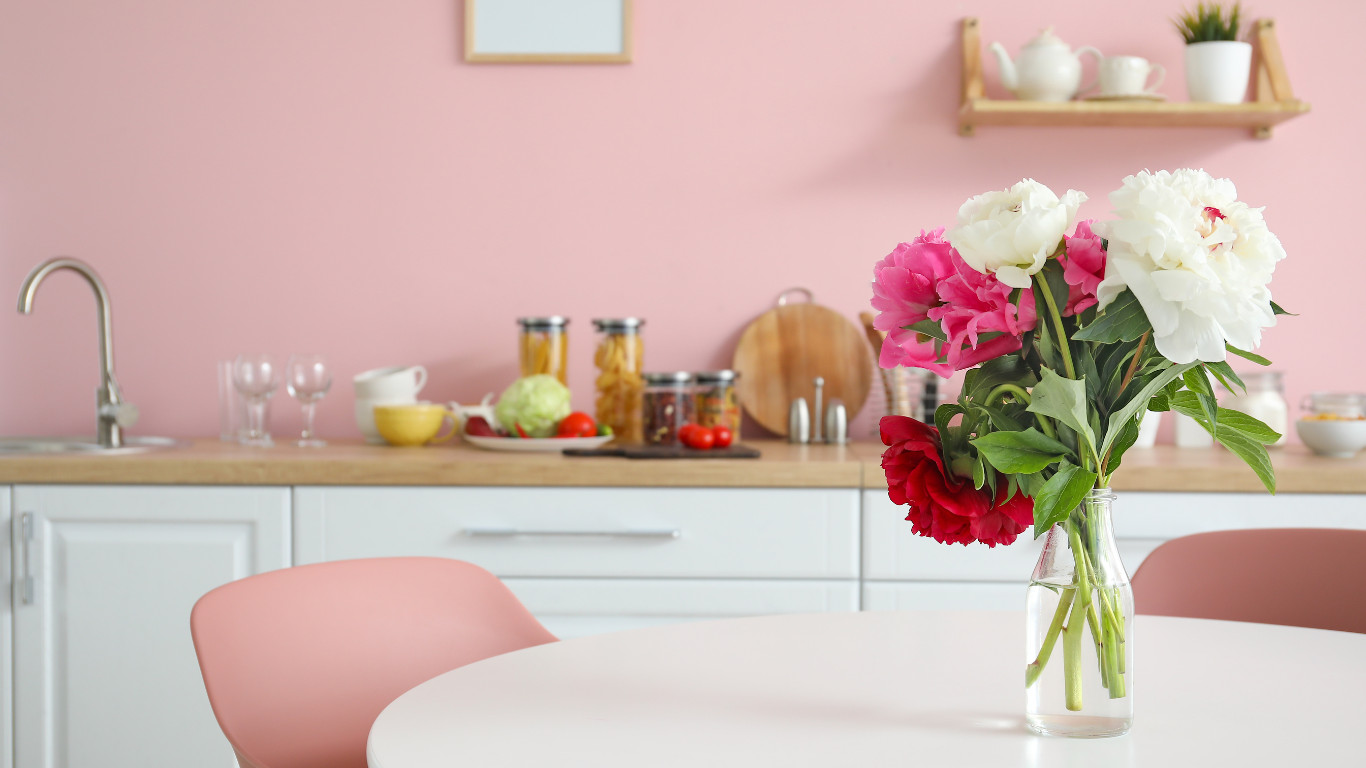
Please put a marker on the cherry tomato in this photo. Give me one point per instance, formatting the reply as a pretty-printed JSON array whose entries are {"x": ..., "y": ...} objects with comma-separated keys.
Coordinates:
[
  {"x": 577, "y": 424},
  {"x": 701, "y": 439},
  {"x": 685, "y": 431},
  {"x": 724, "y": 437}
]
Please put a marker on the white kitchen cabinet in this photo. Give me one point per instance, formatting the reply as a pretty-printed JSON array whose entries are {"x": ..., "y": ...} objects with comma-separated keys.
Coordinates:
[
  {"x": 6, "y": 634},
  {"x": 577, "y": 607},
  {"x": 905, "y": 571},
  {"x": 587, "y": 560},
  {"x": 105, "y": 670}
]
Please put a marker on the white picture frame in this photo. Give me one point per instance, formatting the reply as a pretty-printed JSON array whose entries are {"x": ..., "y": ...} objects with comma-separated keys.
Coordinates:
[{"x": 548, "y": 31}]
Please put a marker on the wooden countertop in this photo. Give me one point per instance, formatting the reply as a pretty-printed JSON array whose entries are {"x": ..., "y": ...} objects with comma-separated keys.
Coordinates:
[
  {"x": 1168, "y": 468},
  {"x": 210, "y": 462}
]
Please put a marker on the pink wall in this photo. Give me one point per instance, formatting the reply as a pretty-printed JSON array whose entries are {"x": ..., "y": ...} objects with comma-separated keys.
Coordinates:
[{"x": 330, "y": 176}]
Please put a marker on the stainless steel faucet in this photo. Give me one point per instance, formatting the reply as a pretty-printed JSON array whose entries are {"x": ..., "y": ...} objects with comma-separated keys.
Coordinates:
[{"x": 112, "y": 413}]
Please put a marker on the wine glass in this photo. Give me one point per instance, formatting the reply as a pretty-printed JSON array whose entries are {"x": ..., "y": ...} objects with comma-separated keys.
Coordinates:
[
  {"x": 256, "y": 377},
  {"x": 308, "y": 378}
]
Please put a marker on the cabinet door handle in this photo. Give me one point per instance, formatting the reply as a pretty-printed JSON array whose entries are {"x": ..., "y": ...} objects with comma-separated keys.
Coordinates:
[
  {"x": 26, "y": 533},
  {"x": 624, "y": 533}
]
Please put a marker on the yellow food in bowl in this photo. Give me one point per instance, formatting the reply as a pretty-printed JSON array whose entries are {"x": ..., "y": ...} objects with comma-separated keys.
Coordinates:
[
  {"x": 413, "y": 425},
  {"x": 1332, "y": 417}
]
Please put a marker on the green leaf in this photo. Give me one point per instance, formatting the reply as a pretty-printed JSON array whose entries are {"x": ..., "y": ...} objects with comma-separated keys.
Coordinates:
[
  {"x": 929, "y": 328},
  {"x": 1127, "y": 437},
  {"x": 979, "y": 473},
  {"x": 1254, "y": 357},
  {"x": 944, "y": 414},
  {"x": 1122, "y": 320},
  {"x": 1020, "y": 452},
  {"x": 1226, "y": 376},
  {"x": 1276, "y": 309},
  {"x": 1060, "y": 495},
  {"x": 1007, "y": 369},
  {"x": 1000, "y": 419},
  {"x": 1185, "y": 402},
  {"x": 1250, "y": 451},
  {"x": 1198, "y": 382},
  {"x": 1138, "y": 402},
  {"x": 1063, "y": 399}
]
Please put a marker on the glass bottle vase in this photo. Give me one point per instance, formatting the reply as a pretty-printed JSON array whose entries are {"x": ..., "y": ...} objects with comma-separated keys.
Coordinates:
[{"x": 1079, "y": 618}]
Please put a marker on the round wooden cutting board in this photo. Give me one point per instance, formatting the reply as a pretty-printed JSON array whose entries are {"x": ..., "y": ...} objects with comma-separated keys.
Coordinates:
[{"x": 784, "y": 349}]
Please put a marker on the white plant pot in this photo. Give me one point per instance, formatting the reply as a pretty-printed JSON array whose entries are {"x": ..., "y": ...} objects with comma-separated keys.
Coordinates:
[{"x": 1218, "y": 71}]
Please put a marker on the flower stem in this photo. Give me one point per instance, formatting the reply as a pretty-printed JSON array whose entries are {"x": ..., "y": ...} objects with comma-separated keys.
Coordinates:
[
  {"x": 1036, "y": 666},
  {"x": 1064, "y": 345},
  {"x": 1133, "y": 365}
]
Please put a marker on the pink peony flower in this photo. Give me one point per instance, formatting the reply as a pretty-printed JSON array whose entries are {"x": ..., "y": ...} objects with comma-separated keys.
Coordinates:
[
  {"x": 1083, "y": 267},
  {"x": 977, "y": 304},
  {"x": 905, "y": 288},
  {"x": 926, "y": 279}
]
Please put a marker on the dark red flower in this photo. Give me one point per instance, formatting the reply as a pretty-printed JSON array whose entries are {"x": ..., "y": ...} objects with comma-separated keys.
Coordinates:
[{"x": 943, "y": 505}]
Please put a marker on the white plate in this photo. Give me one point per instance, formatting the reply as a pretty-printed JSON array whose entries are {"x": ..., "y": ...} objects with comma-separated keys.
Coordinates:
[{"x": 534, "y": 444}]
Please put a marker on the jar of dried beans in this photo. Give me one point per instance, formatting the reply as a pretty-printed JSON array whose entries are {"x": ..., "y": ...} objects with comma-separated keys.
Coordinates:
[
  {"x": 620, "y": 384},
  {"x": 544, "y": 347},
  {"x": 668, "y": 405},
  {"x": 716, "y": 402}
]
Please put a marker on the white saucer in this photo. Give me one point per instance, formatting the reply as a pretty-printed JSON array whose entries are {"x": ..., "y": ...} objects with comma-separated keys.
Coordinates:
[{"x": 1128, "y": 97}]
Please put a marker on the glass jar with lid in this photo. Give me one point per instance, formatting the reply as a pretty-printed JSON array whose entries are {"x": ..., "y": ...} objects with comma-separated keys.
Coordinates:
[
  {"x": 1346, "y": 406},
  {"x": 716, "y": 401},
  {"x": 544, "y": 346},
  {"x": 620, "y": 384},
  {"x": 667, "y": 406}
]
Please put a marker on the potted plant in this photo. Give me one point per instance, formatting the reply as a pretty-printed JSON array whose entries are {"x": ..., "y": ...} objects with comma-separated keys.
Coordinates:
[{"x": 1217, "y": 63}]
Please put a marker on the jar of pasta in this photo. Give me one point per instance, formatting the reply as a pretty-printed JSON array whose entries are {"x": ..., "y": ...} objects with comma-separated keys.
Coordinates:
[
  {"x": 667, "y": 406},
  {"x": 620, "y": 385},
  {"x": 544, "y": 347},
  {"x": 716, "y": 403}
]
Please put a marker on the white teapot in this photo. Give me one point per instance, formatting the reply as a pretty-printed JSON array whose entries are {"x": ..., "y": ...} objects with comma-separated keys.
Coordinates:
[{"x": 1048, "y": 69}]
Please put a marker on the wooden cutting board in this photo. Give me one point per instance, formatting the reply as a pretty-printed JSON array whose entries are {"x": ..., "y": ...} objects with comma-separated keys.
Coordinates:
[{"x": 784, "y": 349}]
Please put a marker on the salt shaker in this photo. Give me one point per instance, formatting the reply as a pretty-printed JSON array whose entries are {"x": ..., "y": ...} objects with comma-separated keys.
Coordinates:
[{"x": 798, "y": 422}]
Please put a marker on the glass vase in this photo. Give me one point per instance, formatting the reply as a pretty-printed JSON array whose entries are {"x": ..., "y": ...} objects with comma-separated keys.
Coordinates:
[{"x": 1079, "y": 618}]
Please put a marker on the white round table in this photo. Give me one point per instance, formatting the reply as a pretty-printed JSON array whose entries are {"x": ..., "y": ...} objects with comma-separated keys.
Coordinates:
[{"x": 875, "y": 689}]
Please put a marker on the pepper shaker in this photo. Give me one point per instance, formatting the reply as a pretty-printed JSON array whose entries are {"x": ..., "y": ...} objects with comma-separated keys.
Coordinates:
[{"x": 836, "y": 423}]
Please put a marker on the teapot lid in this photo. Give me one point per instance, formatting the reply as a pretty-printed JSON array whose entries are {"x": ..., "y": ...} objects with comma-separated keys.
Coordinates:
[{"x": 1046, "y": 39}]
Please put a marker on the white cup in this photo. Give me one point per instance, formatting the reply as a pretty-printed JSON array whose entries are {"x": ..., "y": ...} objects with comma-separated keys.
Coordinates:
[
  {"x": 1128, "y": 76},
  {"x": 396, "y": 385}
]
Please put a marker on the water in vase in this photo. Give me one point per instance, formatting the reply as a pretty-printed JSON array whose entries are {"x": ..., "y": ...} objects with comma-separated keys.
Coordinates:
[{"x": 1098, "y": 700}]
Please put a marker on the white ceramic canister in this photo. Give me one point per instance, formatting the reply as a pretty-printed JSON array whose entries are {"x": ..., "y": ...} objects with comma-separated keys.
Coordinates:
[{"x": 1264, "y": 400}]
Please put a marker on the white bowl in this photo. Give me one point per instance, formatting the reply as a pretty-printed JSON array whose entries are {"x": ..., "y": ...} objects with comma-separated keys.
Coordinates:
[{"x": 1338, "y": 439}]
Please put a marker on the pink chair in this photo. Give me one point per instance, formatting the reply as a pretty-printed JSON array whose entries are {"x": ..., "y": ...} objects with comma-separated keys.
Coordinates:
[
  {"x": 299, "y": 662},
  {"x": 1302, "y": 577}
]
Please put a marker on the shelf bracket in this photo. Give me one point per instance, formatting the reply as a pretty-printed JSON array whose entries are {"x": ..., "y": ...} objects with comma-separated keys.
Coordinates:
[
  {"x": 972, "y": 73},
  {"x": 1273, "y": 84}
]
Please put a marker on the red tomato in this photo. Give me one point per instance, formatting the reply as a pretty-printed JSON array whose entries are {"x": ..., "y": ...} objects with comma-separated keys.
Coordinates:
[
  {"x": 724, "y": 437},
  {"x": 701, "y": 439},
  {"x": 685, "y": 431},
  {"x": 577, "y": 424}
]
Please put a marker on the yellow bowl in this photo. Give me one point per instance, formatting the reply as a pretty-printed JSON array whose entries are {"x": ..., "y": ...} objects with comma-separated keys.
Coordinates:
[{"x": 414, "y": 424}]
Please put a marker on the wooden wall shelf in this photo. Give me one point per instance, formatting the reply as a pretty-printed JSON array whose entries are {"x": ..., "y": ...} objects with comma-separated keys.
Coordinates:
[{"x": 1274, "y": 102}]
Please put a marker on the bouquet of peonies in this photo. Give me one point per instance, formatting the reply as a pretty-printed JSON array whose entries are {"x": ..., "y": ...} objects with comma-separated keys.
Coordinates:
[{"x": 1070, "y": 339}]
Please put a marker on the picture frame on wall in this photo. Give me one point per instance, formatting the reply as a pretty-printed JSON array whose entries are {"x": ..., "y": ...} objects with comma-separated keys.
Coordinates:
[{"x": 548, "y": 31}]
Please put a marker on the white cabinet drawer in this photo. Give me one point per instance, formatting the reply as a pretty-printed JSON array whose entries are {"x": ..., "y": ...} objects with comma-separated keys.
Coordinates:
[
  {"x": 944, "y": 596},
  {"x": 578, "y": 607},
  {"x": 529, "y": 532},
  {"x": 891, "y": 551}
]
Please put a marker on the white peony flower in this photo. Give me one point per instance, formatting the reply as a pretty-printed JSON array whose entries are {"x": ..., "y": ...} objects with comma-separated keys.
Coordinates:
[
  {"x": 1013, "y": 232},
  {"x": 1197, "y": 260}
]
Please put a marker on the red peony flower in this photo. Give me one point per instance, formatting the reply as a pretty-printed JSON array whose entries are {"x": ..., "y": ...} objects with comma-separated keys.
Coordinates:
[{"x": 943, "y": 505}]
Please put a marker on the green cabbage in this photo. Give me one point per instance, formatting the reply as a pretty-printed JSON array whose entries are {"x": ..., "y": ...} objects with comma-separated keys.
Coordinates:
[{"x": 537, "y": 403}]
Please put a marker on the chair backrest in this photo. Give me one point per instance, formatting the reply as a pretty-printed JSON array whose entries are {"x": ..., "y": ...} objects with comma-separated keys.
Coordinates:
[
  {"x": 299, "y": 662},
  {"x": 1302, "y": 577}
]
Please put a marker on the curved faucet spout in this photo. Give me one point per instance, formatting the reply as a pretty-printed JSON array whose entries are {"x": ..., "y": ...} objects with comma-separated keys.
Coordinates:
[
  {"x": 30, "y": 288},
  {"x": 113, "y": 413}
]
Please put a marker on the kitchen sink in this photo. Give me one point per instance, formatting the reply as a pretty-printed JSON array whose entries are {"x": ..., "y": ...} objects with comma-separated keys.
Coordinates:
[{"x": 12, "y": 446}]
